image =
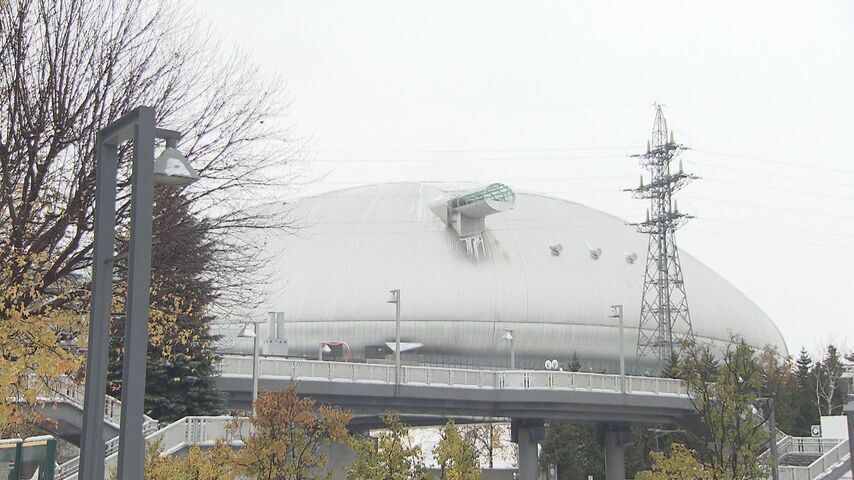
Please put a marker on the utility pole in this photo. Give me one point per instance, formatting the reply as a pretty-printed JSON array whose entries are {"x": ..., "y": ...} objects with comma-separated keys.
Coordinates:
[
  {"x": 394, "y": 297},
  {"x": 664, "y": 319},
  {"x": 617, "y": 312}
]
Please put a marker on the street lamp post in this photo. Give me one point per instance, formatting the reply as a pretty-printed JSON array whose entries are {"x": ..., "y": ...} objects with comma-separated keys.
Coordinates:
[
  {"x": 394, "y": 297},
  {"x": 768, "y": 402},
  {"x": 170, "y": 168},
  {"x": 508, "y": 335},
  {"x": 617, "y": 312},
  {"x": 247, "y": 332},
  {"x": 848, "y": 410}
]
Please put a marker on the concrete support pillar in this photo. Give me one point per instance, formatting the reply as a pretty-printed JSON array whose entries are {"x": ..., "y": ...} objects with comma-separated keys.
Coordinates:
[
  {"x": 614, "y": 439},
  {"x": 615, "y": 457},
  {"x": 340, "y": 457},
  {"x": 527, "y": 434}
]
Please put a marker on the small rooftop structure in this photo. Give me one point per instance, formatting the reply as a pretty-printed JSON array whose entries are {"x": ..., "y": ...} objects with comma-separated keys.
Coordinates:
[{"x": 466, "y": 212}]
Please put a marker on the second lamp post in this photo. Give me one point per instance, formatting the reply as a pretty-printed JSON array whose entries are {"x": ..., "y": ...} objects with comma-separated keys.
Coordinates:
[{"x": 394, "y": 297}]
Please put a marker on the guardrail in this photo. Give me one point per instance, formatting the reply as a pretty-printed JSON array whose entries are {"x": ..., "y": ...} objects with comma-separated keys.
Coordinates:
[
  {"x": 296, "y": 369},
  {"x": 75, "y": 394},
  {"x": 834, "y": 452},
  {"x": 185, "y": 432}
]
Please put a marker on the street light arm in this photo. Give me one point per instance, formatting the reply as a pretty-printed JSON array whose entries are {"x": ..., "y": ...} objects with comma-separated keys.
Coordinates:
[{"x": 171, "y": 136}]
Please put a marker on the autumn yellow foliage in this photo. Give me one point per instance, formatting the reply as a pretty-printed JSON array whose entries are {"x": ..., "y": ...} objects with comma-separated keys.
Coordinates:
[
  {"x": 37, "y": 325},
  {"x": 288, "y": 437},
  {"x": 681, "y": 464}
]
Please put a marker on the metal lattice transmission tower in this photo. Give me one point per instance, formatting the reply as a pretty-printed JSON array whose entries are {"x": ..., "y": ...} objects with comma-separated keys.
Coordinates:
[{"x": 665, "y": 321}]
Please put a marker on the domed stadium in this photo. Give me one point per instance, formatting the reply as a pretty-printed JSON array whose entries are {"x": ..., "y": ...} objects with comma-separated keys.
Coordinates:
[{"x": 475, "y": 267}]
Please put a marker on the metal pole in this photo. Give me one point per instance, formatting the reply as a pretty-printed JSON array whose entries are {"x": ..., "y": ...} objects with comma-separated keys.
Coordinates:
[
  {"x": 850, "y": 416},
  {"x": 512, "y": 353},
  {"x": 255, "y": 370},
  {"x": 397, "y": 337},
  {"x": 131, "y": 440},
  {"x": 772, "y": 421},
  {"x": 618, "y": 314},
  {"x": 848, "y": 410},
  {"x": 92, "y": 445}
]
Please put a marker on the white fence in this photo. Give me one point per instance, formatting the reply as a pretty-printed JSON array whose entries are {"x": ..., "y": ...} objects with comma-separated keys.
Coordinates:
[
  {"x": 204, "y": 431},
  {"x": 833, "y": 452},
  {"x": 296, "y": 369},
  {"x": 66, "y": 391}
]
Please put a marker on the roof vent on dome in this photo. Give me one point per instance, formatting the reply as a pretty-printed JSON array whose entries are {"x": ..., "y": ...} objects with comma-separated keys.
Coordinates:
[
  {"x": 595, "y": 253},
  {"x": 466, "y": 212},
  {"x": 556, "y": 248}
]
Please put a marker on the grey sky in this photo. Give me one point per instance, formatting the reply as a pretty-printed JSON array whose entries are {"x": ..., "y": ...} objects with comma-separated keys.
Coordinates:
[{"x": 551, "y": 96}]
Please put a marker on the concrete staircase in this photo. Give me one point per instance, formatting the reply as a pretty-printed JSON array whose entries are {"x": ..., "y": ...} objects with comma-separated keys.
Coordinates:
[
  {"x": 61, "y": 403},
  {"x": 799, "y": 459},
  {"x": 807, "y": 458},
  {"x": 174, "y": 439}
]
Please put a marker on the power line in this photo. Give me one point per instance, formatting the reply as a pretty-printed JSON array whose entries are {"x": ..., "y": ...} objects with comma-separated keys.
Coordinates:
[
  {"x": 477, "y": 150},
  {"x": 779, "y": 189},
  {"x": 770, "y": 207},
  {"x": 506, "y": 180},
  {"x": 771, "y": 239},
  {"x": 779, "y": 227},
  {"x": 768, "y": 174},
  {"x": 778, "y": 162},
  {"x": 464, "y": 159}
]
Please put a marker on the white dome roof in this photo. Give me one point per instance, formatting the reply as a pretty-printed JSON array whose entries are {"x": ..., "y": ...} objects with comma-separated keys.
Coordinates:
[{"x": 332, "y": 278}]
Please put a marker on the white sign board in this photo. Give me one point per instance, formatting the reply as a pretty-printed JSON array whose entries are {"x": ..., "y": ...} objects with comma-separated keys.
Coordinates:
[{"x": 835, "y": 427}]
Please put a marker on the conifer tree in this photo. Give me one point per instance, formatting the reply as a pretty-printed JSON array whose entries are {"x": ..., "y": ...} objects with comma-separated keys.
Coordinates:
[
  {"x": 575, "y": 364},
  {"x": 803, "y": 366},
  {"x": 182, "y": 364},
  {"x": 806, "y": 413}
]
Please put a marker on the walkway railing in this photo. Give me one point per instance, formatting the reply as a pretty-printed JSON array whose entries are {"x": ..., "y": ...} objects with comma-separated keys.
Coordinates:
[
  {"x": 73, "y": 393},
  {"x": 296, "y": 369},
  {"x": 834, "y": 452},
  {"x": 202, "y": 431}
]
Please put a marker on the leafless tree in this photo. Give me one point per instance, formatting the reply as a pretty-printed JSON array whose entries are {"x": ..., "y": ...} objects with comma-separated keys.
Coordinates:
[
  {"x": 827, "y": 375},
  {"x": 69, "y": 67},
  {"x": 487, "y": 440}
]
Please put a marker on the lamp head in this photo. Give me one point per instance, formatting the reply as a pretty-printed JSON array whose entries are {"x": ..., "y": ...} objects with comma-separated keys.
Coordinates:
[
  {"x": 171, "y": 167},
  {"x": 246, "y": 332},
  {"x": 393, "y": 296}
]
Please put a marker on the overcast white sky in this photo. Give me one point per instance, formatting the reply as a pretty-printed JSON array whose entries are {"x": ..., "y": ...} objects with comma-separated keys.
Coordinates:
[{"x": 551, "y": 96}]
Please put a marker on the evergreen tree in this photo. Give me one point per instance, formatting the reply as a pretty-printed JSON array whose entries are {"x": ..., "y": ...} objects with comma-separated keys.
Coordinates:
[
  {"x": 181, "y": 365},
  {"x": 806, "y": 413},
  {"x": 575, "y": 364},
  {"x": 671, "y": 366},
  {"x": 575, "y": 449},
  {"x": 803, "y": 366}
]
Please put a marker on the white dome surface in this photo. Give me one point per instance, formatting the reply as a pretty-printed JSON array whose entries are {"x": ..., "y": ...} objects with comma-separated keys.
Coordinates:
[{"x": 332, "y": 279}]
